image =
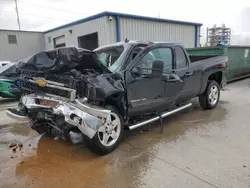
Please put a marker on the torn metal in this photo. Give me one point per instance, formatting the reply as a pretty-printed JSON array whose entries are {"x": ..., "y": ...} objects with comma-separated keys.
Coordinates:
[
  {"x": 79, "y": 84},
  {"x": 68, "y": 74},
  {"x": 61, "y": 60},
  {"x": 88, "y": 119}
]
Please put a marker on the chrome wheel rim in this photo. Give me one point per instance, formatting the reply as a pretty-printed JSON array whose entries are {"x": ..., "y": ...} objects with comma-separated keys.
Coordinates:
[
  {"x": 109, "y": 133},
  {"x": 213, "y": 95}
]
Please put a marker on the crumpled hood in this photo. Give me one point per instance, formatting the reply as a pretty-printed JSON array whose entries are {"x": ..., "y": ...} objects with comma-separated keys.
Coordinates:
[{"x": 63, "y": 59}]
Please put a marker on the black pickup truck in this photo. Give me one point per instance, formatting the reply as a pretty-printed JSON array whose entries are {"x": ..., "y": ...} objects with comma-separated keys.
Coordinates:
[{"x": 71, "y": 92}]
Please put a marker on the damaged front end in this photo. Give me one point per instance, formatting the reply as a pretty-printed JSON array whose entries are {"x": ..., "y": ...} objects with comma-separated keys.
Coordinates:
[
  {"x": 65, "y": 92},
  {"x": 62, "y": 116}
]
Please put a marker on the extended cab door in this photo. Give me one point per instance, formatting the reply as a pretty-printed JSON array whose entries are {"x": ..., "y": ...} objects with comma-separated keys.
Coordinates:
[
  {"x": 187, "y": 74},
  {"x": 147, "y": 92}
]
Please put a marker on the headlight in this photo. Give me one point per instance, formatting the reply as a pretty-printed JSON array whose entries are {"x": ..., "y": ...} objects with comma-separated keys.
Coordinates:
[{"x": 59, "y": 109}]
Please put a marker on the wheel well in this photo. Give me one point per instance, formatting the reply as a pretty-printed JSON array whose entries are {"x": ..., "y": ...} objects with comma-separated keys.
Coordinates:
[
  {"x": 217, "y": 76},
  {"x": 116, "y": 101}
]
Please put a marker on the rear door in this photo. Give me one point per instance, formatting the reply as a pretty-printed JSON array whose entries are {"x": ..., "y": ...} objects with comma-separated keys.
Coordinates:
[{"x": 186, "y": 74}]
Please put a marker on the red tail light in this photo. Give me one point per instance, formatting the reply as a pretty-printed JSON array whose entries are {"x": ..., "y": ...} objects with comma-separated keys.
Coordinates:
[{"x": 225, "y": 65}]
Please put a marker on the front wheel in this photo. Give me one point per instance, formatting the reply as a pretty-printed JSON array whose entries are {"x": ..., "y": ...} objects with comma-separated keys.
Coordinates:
[
  {"x": 210, "y": 98},
  {"x": 109, "y": 135}
]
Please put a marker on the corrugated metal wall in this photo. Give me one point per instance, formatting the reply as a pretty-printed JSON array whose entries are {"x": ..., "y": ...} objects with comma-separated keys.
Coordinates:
[
  {"x": 135, "y": 29},
  {"x": 104, "y": 27},
  {"x": 28, "y": 43}
]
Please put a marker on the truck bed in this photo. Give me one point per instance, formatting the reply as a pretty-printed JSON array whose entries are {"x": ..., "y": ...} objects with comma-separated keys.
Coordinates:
[{"x": 195, "y": 58}]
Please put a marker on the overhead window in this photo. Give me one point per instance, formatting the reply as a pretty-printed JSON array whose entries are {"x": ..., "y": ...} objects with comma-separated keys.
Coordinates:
[
  {"x": 12, "y": 39},
  {"x": 59, "y": 41}
]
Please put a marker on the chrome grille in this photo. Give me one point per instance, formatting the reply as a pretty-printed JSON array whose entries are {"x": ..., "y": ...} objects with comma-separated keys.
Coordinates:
[
  {"x": 49, "y": 90},
  {"x": 30, "y": 74},
  {"x": 64, "y": 79}
]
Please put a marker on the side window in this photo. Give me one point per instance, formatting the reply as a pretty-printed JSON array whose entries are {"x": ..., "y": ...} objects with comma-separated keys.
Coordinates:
[
  {"x": 12, "y": 39},
  {"x": 181, "y": 60},
  {"x": 164, "y": 54}
]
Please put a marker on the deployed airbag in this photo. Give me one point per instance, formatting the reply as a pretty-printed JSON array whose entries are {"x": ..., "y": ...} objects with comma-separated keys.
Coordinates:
[{"x": 61, "y": 60}]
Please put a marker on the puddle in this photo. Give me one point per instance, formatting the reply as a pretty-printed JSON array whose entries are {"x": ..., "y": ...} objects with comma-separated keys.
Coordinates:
[{"x": 44, "y": 162}]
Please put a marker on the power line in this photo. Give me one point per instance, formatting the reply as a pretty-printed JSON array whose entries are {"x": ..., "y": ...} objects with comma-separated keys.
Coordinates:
[
  {"x": 36, "y": 15},
  {"x": 43, "y": 16},
  {"x": 55, "y": 9},
  {"x": 44, "y": 7},
  {"x": 7, "y": 1},
  {"x": 17, "y": 14}
]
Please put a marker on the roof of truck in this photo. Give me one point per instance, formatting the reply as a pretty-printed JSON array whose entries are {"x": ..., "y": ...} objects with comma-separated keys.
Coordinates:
[
  {"x": 122, "y": 43},
  {"x": 136, "y": 42}
]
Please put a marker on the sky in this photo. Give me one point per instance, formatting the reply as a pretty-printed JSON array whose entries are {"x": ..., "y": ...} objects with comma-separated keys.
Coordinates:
[{"x": 41, "y": 15}]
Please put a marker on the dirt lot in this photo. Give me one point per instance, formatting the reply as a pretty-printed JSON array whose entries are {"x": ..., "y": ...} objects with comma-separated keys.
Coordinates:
[{"x": 198, "y": 148}]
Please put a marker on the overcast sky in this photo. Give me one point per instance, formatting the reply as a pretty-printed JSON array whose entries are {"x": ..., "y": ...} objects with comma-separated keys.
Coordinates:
[{"x": 41, "y": 15}]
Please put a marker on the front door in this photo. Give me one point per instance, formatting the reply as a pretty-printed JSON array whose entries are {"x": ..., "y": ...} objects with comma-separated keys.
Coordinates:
[{"x": 147, "y": 93}]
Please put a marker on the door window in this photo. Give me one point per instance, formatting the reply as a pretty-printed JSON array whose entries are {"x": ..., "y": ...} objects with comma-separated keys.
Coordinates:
[
  {"x": 181, "y": 60},
  {"x": 163, "y": 54}
]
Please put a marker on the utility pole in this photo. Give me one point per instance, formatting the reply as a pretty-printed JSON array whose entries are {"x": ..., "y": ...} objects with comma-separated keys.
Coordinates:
[{"x": 17, "y": 14}]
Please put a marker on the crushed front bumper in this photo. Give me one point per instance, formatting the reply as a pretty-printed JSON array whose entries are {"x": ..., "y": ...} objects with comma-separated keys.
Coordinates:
[{"x": 88, "y": 119}]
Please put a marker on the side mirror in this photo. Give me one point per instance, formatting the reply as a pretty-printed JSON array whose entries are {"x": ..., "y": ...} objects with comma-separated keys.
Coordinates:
[
  {"x": 136, "y": 71},
  {"x": 157, "y": 68}
]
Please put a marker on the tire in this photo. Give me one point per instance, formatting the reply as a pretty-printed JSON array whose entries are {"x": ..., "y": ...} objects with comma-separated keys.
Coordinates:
[
  {"x": 96, "y": 144},
  {"x": 210, "y": 98}
]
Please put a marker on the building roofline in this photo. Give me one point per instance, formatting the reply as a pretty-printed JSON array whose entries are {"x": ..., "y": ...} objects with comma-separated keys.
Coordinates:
[
  {"x": 122, "y": 15},
  {"x": 13, "y": 30}
]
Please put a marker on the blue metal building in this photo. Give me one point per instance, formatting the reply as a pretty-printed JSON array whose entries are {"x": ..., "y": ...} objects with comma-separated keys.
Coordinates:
[{"x": 110, "y": 27}]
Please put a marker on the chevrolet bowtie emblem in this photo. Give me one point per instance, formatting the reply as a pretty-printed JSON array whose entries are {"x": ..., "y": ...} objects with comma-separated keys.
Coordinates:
[{"x": 41, "y": 82}]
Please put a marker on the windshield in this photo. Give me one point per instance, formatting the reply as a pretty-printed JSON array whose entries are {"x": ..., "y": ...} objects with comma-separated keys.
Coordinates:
[
  {"x": 7, "y": 69},
  {"x": 111, "y": 57}
]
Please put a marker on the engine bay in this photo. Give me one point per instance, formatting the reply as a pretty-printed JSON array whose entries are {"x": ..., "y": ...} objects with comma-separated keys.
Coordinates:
[{"x": 68, "y": 74}]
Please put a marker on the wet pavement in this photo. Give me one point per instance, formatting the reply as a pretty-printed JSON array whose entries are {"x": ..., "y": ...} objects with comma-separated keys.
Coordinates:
[{"x": 202, "y": 149}]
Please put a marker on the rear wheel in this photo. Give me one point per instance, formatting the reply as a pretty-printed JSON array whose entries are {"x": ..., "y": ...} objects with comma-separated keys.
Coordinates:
[
  {"x": 109, "y": 135},
  {"x": 210, "y": 98}
]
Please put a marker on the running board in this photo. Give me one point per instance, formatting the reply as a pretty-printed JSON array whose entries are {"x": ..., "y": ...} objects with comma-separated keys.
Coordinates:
[{"x": 158, "y": 117}]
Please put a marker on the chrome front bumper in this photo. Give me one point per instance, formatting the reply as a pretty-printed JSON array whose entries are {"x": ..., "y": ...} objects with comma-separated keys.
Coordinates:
[{"x": 87, "y": 118}]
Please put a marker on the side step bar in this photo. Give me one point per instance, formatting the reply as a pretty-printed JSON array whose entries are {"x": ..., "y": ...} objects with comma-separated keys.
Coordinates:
[{"x": 132, "y": 127}]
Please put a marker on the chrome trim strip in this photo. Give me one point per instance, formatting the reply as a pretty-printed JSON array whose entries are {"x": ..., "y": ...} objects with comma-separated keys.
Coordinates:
[
  {"x": 95, "y": 111},
  {"x": 50, "y": 82},
  {"x": 17, "y": 117},
  {"x": 57, "y": 87},
  {"x": 2, "y": 79}
]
